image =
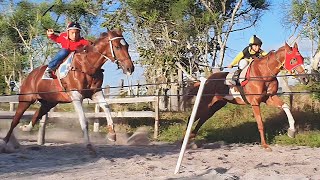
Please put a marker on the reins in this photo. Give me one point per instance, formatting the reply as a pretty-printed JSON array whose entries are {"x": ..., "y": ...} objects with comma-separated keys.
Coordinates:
[{"x": 101, "y": 55}]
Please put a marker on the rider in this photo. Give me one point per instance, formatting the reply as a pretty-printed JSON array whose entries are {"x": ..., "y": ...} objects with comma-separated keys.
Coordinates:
[
  {"x": 245, "y": 56},
  {"x": 69, "y": 41}
]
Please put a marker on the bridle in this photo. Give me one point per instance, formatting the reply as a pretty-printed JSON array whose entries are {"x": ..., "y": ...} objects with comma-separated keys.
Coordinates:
[
  {"x": 293, "y": 59},
  {"x": 111, "y": 49},
  {"x": 114, "y": 58}
]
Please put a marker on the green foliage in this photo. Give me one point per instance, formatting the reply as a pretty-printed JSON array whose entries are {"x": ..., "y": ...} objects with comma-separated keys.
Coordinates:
[
  {"x": 311, "y": 139},
  {"x": 236, "y": 124},
  {"x": 315, "y": 87},
  {"x": 304, "y": 15}
]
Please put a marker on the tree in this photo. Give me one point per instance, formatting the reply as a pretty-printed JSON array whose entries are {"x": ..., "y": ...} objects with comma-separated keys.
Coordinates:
[
  {"x": 24, "y": 44},
  {"x": 303, "y": 15},
  {"x": 230, "y": 16},
  {"x": 164, "y": 32}
]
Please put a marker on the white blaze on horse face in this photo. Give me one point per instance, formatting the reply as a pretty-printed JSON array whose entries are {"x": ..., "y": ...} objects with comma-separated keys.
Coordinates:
[{"x": 123, "y": 42}]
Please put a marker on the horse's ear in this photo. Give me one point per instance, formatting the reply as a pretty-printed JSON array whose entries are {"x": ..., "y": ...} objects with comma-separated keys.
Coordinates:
[
  {"x": 103, "y": 34},
  {"x": 286, "y": 45},
  {"x": 118, "y": 31},
  {"x": 295, "y": 45}
]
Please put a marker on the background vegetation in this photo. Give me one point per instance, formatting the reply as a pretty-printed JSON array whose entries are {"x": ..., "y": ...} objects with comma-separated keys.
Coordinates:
[{"x": 165, "y": 32}]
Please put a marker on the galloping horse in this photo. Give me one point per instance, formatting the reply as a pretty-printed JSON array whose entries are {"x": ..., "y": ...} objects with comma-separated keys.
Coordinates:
[
  {"x": 262, "y": 86},
  {"x": 84, "y": 80}
]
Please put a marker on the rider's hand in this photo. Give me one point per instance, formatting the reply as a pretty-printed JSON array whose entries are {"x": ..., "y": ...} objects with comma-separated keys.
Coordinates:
[
  {"x": 230, "y": 66},
  {"x": 50, "y": 32}
]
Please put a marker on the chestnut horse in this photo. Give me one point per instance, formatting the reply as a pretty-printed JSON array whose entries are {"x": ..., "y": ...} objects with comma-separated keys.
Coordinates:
[
  {"x": 261, "y": 87},
  {"x": 84, "y": 80}
]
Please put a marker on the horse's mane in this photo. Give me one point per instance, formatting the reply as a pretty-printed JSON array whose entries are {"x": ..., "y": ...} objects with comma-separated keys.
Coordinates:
[
  {"x": 271, "y": 52},
  {"x": 102, "y": 37},
  {"x": 89, "y": 48}
]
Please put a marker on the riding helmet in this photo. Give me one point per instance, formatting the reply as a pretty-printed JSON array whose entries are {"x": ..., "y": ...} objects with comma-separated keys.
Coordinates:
[
  {"x": 73, "y": 25},
  {"x": 254, "y": 40}
]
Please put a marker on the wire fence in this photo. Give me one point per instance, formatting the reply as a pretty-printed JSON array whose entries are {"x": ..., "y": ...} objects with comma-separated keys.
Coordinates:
[{"x": 181, "y": 84}]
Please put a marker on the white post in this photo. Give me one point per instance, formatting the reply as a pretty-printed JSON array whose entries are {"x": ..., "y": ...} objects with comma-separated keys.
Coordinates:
[
  {"x": 42, "y": 129},
  {"x": 96, "y": 123},
  {"x": 191, "y": 120}
]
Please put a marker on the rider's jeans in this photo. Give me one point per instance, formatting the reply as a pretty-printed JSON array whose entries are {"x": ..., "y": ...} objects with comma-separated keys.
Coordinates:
[{"x": 62, "y": 53}]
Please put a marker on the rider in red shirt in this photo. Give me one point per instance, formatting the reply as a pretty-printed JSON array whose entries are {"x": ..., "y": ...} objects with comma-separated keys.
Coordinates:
[{"x": 69, "y": 41}]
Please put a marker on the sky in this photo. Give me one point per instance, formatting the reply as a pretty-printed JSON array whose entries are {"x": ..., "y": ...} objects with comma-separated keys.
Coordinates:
[{"x": 269, "y": 29}]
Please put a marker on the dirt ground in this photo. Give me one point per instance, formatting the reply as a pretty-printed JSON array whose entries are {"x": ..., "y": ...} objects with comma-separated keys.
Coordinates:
[{"x": 141, "y": 159}]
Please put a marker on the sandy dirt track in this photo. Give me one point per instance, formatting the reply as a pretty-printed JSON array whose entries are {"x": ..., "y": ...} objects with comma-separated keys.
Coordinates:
[{"x": 157, "y": 161}]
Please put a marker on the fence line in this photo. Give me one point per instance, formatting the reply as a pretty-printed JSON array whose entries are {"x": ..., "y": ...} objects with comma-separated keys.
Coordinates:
[{"x": 13, "y": 100}]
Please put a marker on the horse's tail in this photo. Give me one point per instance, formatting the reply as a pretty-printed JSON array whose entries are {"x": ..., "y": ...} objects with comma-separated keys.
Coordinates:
[
  {"x": 212, "y": 85},
  {"x": 191, "y": 91}
]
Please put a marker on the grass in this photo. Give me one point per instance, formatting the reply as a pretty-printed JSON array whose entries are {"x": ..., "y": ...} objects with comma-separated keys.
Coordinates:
[{"x": 236, "y": 124}]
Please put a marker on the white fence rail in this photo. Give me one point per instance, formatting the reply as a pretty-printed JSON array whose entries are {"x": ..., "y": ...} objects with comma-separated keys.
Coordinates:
[{"x": 13, "y": 100}]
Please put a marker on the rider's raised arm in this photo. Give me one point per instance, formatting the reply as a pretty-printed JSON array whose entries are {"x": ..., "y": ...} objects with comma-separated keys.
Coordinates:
[
  {"x": 59, "y": 38},
  {"x": 237, "y": 59}
]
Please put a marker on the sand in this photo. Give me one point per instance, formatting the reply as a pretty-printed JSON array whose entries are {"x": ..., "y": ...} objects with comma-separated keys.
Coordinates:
[{"x": 142, "y": 159}]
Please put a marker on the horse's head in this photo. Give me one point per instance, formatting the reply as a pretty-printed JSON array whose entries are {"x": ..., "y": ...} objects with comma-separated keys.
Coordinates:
[
  {"x": 113, "y": 46},
  {"x": 293, "y": 62}
]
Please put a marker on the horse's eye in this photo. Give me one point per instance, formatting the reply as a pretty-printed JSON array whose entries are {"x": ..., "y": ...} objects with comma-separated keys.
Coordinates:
[
  {"x": 293, "y": 61},
  {"x": 117, "y": 47}
]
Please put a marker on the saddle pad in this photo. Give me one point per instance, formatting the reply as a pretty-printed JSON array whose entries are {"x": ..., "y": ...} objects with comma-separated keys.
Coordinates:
[{"x": 64, "y": 68}]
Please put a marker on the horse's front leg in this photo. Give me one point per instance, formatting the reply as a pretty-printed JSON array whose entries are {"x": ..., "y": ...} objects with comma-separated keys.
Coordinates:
[
  {"x": 257, "y": 115},
  {"x": 77, "y": 103},
  {"x": 277, "y": 102},
  {"x": 99, "y": 98}
]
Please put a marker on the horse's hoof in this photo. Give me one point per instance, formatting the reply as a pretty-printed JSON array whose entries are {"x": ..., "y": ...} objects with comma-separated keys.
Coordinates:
[
  {"x": 92, "y": 151},
  {"x": 267, "y": 148},
  {"x": 111, "y": 137},
  {"x": 193, "y": 145},
  {"x": 25, "y": 128},
  {"x": 291, "y": 133}
]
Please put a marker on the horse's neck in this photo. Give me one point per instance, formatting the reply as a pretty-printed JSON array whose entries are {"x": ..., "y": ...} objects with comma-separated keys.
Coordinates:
[
  {"x": 93, "y": 57},
  {"x": 270, "y": 65}
]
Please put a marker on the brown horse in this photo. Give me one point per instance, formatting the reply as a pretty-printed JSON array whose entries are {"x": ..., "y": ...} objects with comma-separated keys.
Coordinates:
[
  {"x": 84, "y": 80},
  {"x": 261, "y": 87}
]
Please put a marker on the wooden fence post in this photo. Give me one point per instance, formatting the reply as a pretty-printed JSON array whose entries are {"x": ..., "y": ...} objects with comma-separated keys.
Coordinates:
[
  {"x": 42, "y": 129},
  {"x": 12, "y": 106},
  {"x": 291, "y": 101},
  {"x": 174, "y": 102},
  {"x": 156, "y": 118},
  {"x": 137, "y": 88},
  {"x": 121, "y": 87},
  {"x": 181, "y": 90},
  {"x": 96, "y": 124},
  {"x": 106, "y": 91}
]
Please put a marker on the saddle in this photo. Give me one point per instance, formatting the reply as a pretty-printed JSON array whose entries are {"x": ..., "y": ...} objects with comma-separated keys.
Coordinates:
[{"x": 238, "y": 78}]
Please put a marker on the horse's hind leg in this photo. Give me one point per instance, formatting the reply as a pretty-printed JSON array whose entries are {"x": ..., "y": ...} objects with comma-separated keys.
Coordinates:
[
  {"x": 22, "y": 107},
  {"x": 44, "y": 109},
  {"x": 99, "y": 98},
  {"x": 204, "y": 116}
]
